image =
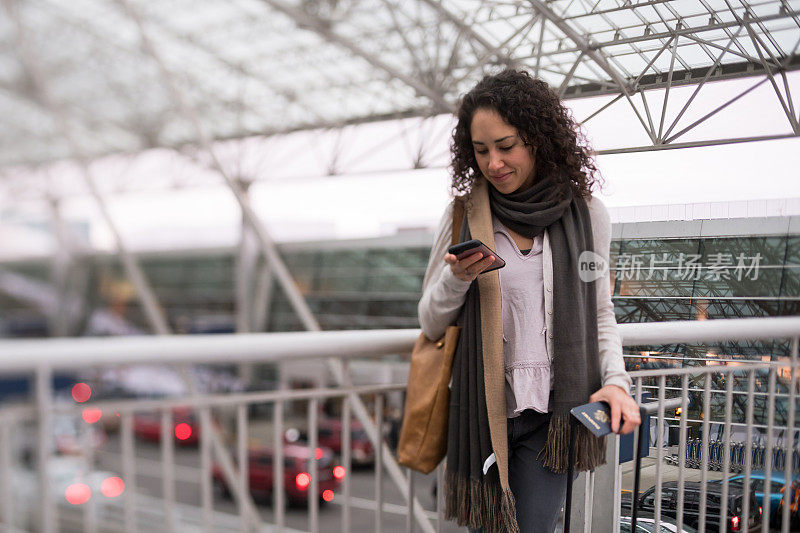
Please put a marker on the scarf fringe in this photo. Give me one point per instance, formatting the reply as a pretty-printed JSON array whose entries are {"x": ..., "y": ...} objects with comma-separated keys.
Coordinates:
[
  {"x": 479, "y": 504},
  {"x": 589, "y": 449}
]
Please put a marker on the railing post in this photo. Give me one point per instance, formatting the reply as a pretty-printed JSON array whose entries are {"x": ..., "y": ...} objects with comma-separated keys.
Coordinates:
[
  {"x": 682, "y": 450},
  {"x": 788, "y": 439},
  {"x": 726, "y": 459},
  {"x": 346, "y": 462},
  {"x": 659, "y": 448},
  {"x": 90, "y": 509},
  {"x": 313, "y": 468},
  {"x": 206, "y": 496},
  {"x": 766, "y": 505},
  {"x": 168, "y": 459},
  {"x": 278, "y": 496},
  {"x": 411, "y": 500},
  {"x": 6, "y": 498},
  {"x": 748, "y": 444},
  {"x": 128, "y": 471},
  {"x": 44, "y": 401},
  {"x": 379, "y": 468},
  {"x": 243, "y": 460},
  {"x": 440, "y": 498},
  {"x": 704, "y": 452}
]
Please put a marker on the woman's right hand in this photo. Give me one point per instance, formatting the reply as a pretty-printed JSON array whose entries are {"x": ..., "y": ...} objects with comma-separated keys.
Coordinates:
[{"x": 469, "y": 267}]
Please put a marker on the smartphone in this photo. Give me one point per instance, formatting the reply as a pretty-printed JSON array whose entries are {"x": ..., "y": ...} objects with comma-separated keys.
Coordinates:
[{"x": 465, "y": 249}]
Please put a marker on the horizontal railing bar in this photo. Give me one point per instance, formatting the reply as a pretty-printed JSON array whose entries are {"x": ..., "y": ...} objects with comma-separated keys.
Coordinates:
[
  {"x": 720, "y": 391},
  {"x": 671, "y": 403},
  {"x": 721, "y": 369},
  {"x": 83, "y": 352},
  {"x": 716, "y": 421},
  {"x": 73, "y": 353},
  {"x": 728, "y": 329},
  {"x": 690, "y": 359}
]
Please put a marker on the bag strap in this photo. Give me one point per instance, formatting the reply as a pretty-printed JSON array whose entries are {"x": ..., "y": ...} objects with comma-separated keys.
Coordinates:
[{"x": 459, "y": 205}]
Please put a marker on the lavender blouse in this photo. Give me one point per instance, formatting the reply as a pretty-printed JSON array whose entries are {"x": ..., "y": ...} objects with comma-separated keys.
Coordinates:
[{"x": 527, "y": 365}]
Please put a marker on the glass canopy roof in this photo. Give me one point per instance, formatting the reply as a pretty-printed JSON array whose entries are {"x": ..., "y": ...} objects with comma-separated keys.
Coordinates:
[{"x": 87, "y": 78}]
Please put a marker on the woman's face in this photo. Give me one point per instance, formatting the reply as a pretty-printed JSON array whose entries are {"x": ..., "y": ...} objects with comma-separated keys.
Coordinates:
[{"x": 503, "y": 158}]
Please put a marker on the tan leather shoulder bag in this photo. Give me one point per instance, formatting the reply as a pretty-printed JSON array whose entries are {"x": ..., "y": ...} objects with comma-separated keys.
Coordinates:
[{"x": 423, "y": 437}]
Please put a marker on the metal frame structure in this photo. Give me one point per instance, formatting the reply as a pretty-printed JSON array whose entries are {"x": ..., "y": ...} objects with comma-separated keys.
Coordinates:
[{"x": 272, "y": 67}]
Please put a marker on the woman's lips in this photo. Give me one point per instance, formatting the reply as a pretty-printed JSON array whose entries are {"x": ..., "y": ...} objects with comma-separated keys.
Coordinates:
[{"x": 502, "y": 177}]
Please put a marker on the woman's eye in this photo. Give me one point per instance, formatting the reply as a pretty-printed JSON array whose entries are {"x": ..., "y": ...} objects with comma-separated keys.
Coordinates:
[
  {"x": 506, "y": 148},
  {"x": 482, "y": 152}
]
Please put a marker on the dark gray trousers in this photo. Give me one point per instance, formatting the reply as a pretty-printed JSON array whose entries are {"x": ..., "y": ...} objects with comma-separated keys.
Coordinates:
[{"x": 538, "y": 492}]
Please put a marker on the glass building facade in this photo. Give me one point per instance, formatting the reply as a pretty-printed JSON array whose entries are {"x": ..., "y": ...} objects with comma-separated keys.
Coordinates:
[{"x": 376, "y": 283}]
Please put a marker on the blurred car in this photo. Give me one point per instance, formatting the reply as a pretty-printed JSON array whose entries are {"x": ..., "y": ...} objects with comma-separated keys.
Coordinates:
[
  {"x": 185, "y": 426},
  {"x": 646, "y": 524},
  {"x": 691, "y": 504},
  {"x": 70, "y": 435},
  {"x": 757, "y": 478},
  {"x": 73, "y": 484},
  {"x": 296, "y": 477},
  {"x": 330, "y": 435},
  {"x": 110, "y": 419}
]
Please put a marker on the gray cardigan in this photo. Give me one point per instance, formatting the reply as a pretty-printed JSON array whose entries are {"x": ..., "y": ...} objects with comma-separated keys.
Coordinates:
[{"x": 443, "y": 294}]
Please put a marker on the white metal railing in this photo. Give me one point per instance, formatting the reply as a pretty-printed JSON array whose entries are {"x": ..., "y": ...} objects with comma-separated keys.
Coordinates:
[{"x": 42, "y": 357}]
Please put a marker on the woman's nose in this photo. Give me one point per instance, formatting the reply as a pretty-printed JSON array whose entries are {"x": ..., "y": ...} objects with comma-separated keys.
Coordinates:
[{"x": 495, "y": 162}]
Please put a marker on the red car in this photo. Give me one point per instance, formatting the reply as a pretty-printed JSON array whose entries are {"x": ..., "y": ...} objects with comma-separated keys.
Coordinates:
[
  {"x": 185, "y": 426},
  {"x": 330, "y": 435},
  {"x": 296, "y": 478}
]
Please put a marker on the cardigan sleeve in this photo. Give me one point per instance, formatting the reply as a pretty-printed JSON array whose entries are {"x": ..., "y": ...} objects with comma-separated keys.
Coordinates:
[
  {"x": 443, "y": 293},
  {"x": 612, "y": 365}
]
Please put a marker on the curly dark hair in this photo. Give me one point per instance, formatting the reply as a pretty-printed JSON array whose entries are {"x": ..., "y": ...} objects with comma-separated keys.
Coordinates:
[{"x": 531, "y": 106}]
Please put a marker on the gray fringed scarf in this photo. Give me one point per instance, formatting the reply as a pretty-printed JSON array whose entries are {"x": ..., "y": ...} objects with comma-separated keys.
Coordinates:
[{"x": 477, "y": 400}]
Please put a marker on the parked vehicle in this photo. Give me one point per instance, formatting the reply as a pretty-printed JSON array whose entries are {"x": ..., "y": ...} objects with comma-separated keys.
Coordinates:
[
  {"x": 330, "y": 435},
  {"x": 70, "y": 435},
  {"x": 648, "y": 525},
  {"x": 185, "y": 426},
  {"x": 691, "y": 504},
  {"x": 296, "y": 477},
  {"x": 73, "y": 483},
  {"x": 757, "y": 478}
]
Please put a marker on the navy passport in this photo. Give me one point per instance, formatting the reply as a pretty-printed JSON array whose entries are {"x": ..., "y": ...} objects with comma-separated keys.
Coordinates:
[{"x": 596, "y": 416}]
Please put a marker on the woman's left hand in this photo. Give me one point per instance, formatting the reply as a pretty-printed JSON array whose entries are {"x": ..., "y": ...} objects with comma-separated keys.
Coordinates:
[{"x": 622, "y": 404}]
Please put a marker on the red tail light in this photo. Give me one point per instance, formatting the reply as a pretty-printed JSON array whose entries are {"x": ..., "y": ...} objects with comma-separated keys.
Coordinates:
[
  {"x": 319, "y": 453},
  {"x": 734, "y": 523},
  {"x": 81, "y": 392},
  {"x": 327, "y": 495},
  {"x": 339, "y": 472},
  {"x": 760, "y": 510},
  {"x": 183, "y": 431},
  {"x": 78, "y": 493},
  {"x": 112, "y": 487},
  {"x": 91, "y": 415},
  {"x": 302, "y": 480}
]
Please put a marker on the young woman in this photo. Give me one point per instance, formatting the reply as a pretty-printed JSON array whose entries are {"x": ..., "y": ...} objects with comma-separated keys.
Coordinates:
[{"x": 538, "y": 336}]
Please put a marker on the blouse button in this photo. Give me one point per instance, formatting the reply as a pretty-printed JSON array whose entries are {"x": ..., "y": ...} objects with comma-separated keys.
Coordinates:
[
  {"x": 549, "y": 289},
  {"x": 550, "y": 335}
]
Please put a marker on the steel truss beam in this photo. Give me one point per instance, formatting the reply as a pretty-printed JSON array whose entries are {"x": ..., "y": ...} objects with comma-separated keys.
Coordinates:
[{"x": 322, "y": 28}]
